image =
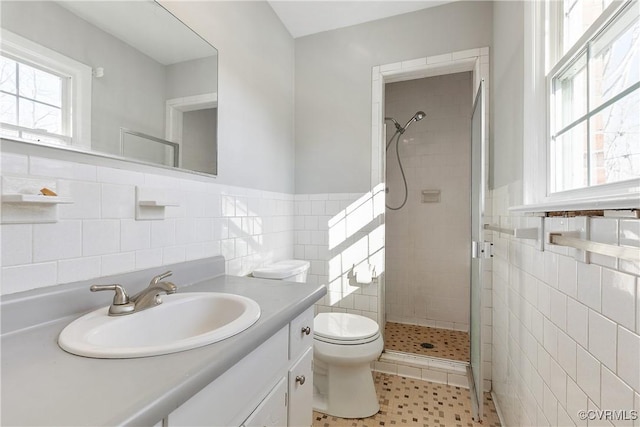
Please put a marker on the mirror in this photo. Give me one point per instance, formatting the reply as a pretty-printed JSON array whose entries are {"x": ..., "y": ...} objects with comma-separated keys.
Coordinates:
[{"x": 122, "y": 79}]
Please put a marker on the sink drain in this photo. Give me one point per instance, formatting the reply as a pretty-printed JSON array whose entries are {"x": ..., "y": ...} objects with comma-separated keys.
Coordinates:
[{"x": 426, "y": 345}]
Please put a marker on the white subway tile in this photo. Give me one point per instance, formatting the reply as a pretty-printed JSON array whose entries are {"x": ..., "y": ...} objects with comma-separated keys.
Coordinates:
[
  {"x": 118, "y": 263},
  {"x": 134, "y": 235},
  {"x": 618, "y": 297},
  {"x": 118, "y": 201},
  {"x": 464, "y": 54},
  {"x": 567, "y": 356},
  {"x": 119, "y": 176},
  {"x": 616, "y": 395},
  {"x": 57, "y": 241},
  {"x": 603, "y": 339},
  {"x": 551, "y": 269},
  {"x": 148, "y": 258},
  {"x": 589, "y": 285},
  {"x": 24, "y": 277},
  {"x": 629, "y": 357},
  {"x": 100, "y": 237},
  {"x": 61, "y": 169},
  {"x": 604, "y": 230},
  {"x": 73, "y": 270},
  {"x": 86, "y": 200},
  {"x": 163, "y": 233},
  {"x": 390, "y": 67},
  {"x": 567, "y": 276},
  {"x": 588, "y": 372},
  {"x": 186, "y": 230},
  {"x": 16, "y": 244},
  {"x": 630, "y": 236},
  {"x": 559, "y": 309},
  {"x": 576, "y": 402},
  {"x": 457, "y": 380},
  {"x": 577, "y": 321},
  {"x": 434, "y": 376},
  {"x": 14, "y": 164},
  {"x": 439, "y": 58}
]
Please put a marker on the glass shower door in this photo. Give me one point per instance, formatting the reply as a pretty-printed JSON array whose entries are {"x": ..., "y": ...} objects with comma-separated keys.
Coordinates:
[{"x": 479, "y": 250}]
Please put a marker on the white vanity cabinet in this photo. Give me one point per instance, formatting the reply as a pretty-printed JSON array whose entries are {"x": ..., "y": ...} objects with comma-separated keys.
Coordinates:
[{"x": 271, "y": 386}]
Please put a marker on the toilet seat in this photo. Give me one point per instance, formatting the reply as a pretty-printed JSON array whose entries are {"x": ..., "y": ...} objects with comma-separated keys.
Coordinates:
[{"x": 345, "y": 329}]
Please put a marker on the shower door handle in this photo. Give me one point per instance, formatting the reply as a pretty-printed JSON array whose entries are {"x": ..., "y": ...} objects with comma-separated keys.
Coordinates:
[{"x": 481, "y": 249}]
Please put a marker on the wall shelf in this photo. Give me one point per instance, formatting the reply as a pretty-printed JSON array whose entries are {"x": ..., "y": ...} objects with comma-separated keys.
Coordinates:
[
  {"x": 35, "y": 199},
  {"x": 21, "y": 203},
  {"x": 151, "y": 203}
]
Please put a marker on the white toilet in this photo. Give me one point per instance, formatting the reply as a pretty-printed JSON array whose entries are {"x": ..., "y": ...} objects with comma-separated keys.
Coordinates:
[{"x": 344, "y": 345}]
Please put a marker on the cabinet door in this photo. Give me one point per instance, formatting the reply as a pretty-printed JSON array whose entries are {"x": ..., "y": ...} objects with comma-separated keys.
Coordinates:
[
  {"x": 301, "y": 391},
  {"x": 272, "y": 412},
  {"x": 301, "y": 333}
]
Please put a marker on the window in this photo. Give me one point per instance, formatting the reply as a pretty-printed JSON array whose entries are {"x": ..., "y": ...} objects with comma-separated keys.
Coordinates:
[
  {"x": 594, "y": 85},
  {"x": 44, "y": 96},
  {"x": 33, "y": 102}
]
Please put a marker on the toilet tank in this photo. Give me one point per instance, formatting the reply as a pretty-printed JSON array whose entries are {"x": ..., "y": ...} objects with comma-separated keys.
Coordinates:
[{"x": 293, "y": 270}]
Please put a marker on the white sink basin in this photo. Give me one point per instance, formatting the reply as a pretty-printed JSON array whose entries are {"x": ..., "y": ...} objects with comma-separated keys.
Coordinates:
[{"x": 181, "y": 322}]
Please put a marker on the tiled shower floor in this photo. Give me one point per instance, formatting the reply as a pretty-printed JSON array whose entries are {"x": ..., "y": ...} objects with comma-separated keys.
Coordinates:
[
  {"x": 448, "y": 344},
  {"x": 412, "y": 402}
]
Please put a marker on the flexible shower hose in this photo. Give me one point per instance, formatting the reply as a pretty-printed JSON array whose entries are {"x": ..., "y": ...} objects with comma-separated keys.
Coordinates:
[{"x": 404, "y": 178}]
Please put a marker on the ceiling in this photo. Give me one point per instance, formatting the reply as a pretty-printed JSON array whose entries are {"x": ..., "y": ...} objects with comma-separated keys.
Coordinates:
[{"x": 302, "y": 17}]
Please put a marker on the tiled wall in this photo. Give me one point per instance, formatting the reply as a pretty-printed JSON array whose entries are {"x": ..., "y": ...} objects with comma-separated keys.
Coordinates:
[
  {"x": 98, "y": 234},
  {"x": 427, "y": 266},
  {"x": 566, "y": 333},
  {"x": 336, "y": 232}
]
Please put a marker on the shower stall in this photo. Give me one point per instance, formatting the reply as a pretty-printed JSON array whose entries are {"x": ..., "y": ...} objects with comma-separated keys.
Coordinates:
[{"x": 427, "y": 220}]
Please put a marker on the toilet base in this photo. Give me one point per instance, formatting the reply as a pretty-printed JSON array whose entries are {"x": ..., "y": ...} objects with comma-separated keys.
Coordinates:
[{"x": 344, "y": 391}]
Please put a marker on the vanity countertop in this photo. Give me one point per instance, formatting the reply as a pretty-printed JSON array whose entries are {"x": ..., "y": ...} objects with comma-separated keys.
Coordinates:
[{"x": 44, "y": 385}]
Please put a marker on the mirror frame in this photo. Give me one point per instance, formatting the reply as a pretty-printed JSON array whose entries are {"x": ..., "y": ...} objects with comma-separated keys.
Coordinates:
[{"x": 211, "y": 97}]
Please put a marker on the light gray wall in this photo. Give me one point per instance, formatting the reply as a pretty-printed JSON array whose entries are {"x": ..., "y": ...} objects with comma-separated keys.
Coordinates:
[
  {"x": 199, "y": 140},
  {"x": 131, "y": 93},
  {"x": 507, "y": 93},
  {"x": 255, "y": 90},
  {"x": 333, "y": 86},
  {"x": 191, "y": 78}
]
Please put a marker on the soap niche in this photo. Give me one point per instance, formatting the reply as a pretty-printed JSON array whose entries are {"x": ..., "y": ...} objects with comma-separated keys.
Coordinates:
[{"x": 23, "y": 202}]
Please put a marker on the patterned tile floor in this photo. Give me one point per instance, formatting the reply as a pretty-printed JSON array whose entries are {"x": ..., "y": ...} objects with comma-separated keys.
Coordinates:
[
  {"x": 448, "y": 344},
  {"x": 411, "y": 402}
]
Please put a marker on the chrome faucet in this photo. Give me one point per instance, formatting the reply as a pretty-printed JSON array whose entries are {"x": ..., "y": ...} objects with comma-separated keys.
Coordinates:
[{"x": 147, "y": 298}]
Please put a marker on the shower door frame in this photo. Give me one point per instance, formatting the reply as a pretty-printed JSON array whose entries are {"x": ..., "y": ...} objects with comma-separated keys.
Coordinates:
[{"x": 474, "y": 60}]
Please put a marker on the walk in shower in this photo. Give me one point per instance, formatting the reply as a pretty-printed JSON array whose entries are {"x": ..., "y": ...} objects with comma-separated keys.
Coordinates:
[{"x": 427, "y": 220}]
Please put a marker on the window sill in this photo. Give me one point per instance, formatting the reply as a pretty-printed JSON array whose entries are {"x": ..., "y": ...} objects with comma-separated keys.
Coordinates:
[{"x": 626, "y": 201}]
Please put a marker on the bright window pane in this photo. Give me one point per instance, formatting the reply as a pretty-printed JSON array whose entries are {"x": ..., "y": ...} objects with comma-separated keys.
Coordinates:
[
  {"x": 569, "y": 159},
  {"x": 570, "y": 93},
  {"x": 615, "y": 141},
  {"x": 615, "y": 58},
  {"x": 39, "y": 116},
  {"x": 578, "y": 16},
  {"x": 41, "y": 86},
  {"x": 8, "y": 109},
  {"x": 7, "y": 75}
]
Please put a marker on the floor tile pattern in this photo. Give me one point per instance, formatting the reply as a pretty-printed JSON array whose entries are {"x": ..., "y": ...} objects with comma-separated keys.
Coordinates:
[
  {"x": 410, "y": 402},
  {"x": 448, "y": 344}
]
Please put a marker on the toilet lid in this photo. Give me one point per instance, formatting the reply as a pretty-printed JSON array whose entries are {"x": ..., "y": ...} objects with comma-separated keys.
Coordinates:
[
  {"x": 344, "y": 327},
  {"x": 282, "y": 269}
]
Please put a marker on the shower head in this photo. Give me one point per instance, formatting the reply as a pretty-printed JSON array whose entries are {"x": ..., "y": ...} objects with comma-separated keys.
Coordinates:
[{"x": 416, "y": 117}]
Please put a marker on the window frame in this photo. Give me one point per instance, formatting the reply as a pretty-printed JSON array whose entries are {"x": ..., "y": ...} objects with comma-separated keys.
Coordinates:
[
  {"x": 537, "y": 196},
  {"x": 78, "y": 88}
]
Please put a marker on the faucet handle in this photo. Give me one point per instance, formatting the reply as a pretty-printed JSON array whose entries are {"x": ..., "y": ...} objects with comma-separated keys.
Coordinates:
[
  {"x": 159, "y": 277},
  {"x": 120, "y": 298}
]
